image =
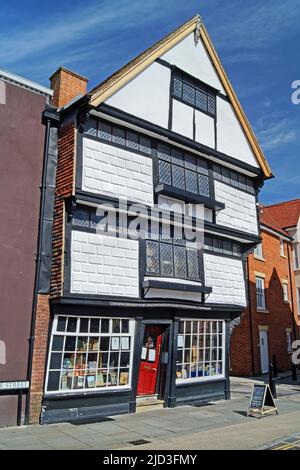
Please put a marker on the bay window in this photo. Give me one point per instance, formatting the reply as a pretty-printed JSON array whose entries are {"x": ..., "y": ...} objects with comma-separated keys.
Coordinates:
[
  {"x": 200, "y": 350},
  {"x": 89, "y": 353}
]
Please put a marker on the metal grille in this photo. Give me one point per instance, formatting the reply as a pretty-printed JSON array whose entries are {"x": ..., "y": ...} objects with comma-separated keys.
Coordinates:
[
  {"x": 164, "y": 170},
  {"x": 166, "y": 259},
  {"x": 203, "y": 185},
  {"x": 178, "y": 177},
  {"x": 132, "y": 140},
  {"x": 152, "y": 257},
  {"x": 193, "y": 266},
  {"x": 191, "y": 181},
  {"x": 104, "y": 131},
  {"x": 201, "y": 100},
  {"x": 180, "y": 261},
  {"x": 188, "y": 93}
]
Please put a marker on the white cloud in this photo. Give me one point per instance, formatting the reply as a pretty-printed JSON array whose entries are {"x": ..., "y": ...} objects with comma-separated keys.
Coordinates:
[{"x": 275, "y": 134}]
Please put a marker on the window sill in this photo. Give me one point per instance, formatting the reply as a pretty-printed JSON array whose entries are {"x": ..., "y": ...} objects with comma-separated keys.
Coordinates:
[
  {"x": 162, "y": 188},
  {"x": 258, "y": 258},
  {"x": 262, "y": 310},
  {"x": 193, "y": 381},
  {"x": 184, "y": 286}
]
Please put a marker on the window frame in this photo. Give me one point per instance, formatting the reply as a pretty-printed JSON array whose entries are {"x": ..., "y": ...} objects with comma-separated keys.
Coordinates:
[
  {"x": 285, "y": 291},
  {"x": 76, "y": 334},
  {"x": 296, "y": 257},
  {"x": 259, "y": 253},
  {"x": 262, "y": 293},
  {"x": 199, "y": 379},
  {"x": 282, "y": 248}
]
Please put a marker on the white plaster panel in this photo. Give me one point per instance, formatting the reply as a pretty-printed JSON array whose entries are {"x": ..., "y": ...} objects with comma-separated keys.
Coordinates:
[
  {"x": 104, "y": 265},
  {"x": 240, "y": 208},
  {"x": 146, "y": 96},
  {"x": 205, "y": 129},
  {"x": 231, "y": 138},
  {"x": 182, "y": 119},
  {"x": 116, "y": 172},
  {"x": 226, "y": 277},
  {"x": 194, "y": 60}
]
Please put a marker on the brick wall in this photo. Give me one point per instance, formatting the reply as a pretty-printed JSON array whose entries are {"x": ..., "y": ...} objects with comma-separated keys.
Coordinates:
[
  {"x": 277, "y": 317},
  {"x": 66, "y": 85},
  {"x": 116, "y": 172},
  {"x": 104, "y": 265},
  {"x": 240, "y": 208},
  {"x": 39, "y": 357},
  {"x": 226, "y": 277}
]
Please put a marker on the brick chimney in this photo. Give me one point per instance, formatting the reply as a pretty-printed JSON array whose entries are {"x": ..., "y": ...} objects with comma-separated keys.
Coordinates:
[{"x": 66, "y": 86}]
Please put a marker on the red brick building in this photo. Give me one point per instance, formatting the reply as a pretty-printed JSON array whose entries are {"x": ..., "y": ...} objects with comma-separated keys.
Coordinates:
[{"x": 269, "y": 324}]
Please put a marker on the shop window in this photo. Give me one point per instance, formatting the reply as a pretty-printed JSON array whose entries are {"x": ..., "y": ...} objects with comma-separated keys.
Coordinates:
[
  {"x": 200, "y": 350},
  {"x": 89, "y": 353}
]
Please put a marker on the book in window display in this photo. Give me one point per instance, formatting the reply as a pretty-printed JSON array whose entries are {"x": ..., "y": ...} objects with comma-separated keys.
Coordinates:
[
  {"x": 91, "y": 381},
  {"x": 82, "y": 343},
  {"x": 79, "y": 381},
  {"x": 124, "y": 376},
  {"x": 100, "y": 379}
]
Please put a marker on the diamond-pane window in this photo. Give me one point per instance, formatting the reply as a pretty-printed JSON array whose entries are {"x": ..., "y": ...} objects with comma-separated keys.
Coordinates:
[
  {"x": 145, "y": 145},
  {"x": 132, "y": 140},
  {"x": 191, "y": 181},
  {"x": 178, "y": 177},
  {"x": 211, "y": 104},
  {"x": 202, "y": 167},
  {"x": 190, "y": 162},
  {"x": 166, "y": 259},
  {"x": 81, "y": 219},
  {"x": 180, "y": 261},
  {"x": 203, "y": 185},
  {"x": 201, "y": 100},
  {"x": 164, "y": 170},
  {"x": 177, "y": 157},
  {"x": 104, "y": 131},
  {"x": 118, "y": 136},
  {"x": 193, "y": 267},
  {"x": 188, "y": 93},
  {"x": 90, "y": 127},
  {"x": 177, "y": 88},
  {"x": 164, "y": 152},
  {"x": 152, "y": 257}
]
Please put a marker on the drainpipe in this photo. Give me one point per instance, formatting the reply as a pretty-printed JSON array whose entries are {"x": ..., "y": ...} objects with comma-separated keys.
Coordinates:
[
  {"x": 292, "y": 293},
  {"x": 38, "y": 267},
  {"x": 250, "y": 317}
]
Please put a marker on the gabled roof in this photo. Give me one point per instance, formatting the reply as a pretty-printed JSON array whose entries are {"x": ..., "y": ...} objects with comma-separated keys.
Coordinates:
[
  {"x": 286, "y": 213},
  {"x": 108, "y": 87},
  {"x": 267, "y": 219}
]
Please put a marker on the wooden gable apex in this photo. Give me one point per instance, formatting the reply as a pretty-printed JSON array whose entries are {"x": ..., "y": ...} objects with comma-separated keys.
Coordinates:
[{"x": 112, "y": 84}]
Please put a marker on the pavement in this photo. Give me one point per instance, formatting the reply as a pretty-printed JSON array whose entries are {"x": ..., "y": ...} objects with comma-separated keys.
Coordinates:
[{"x": 218, "y": 425}]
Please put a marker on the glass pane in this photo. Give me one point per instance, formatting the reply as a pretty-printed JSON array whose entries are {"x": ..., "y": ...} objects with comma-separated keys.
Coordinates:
[
  {"x": 180, "y": 261},
  {"x": 53, "y": 381},
  {"x": 178, "y": 177},
  {"x": 72, "y": 324},
  {"x": 164, "y": 171},
  {"x": 66, "y": 380},
  {"x": 164, "y": 152},
  {"x": 227, "y": 248},
  {"x": 104, "y": 131},
  {"x": 94, "y": 343},
  {"x": 124, "y": 377},
  {"x": 201, "y": 100},
  {"x": 125, "y": 358},
  {"x": 80, "y": 361},
  {"x": 92, "y": 362},
  {"x": 193, "y": 267},
  {"x": 203, "y": 185},
  {"x": 70, "y": 343},
  {"x": 81, "y": 219},
  {"x": 191, "y": 181},
  {"x": 234, "y": 179},
  {"x": 116, "y": 326},
  {"x": 84, "y": 325},
  {"x": 61, "y": 324},
  {"x": 177, "y": 87},
  {"x": 152, "y": 257},
  {"x": 94, "y": 325},
  {"x": 217, "y": 245},
  {"x": 188, "y": 94},
  {"x": 104, "y": 344},
  {"x": 118, "y": 136},
  {"x": 145, "y": 145},
  {"x": 102, "y": 360},
  {"x": 211, "y": 104},
  {"x": 105, "y": 325},
  {"x": 125, "y": 326},
  {"x": 82, "y": 343},
  {"x": 202, "y": 167},
  {"x": 90, "y": 127},
  {"x": 132, "y": 140},
  {"x": 55, "y": 362},
  {"x": 68, "y": 361},
  {"x": 177, "y": 157},
  {"x": 190, "y": 162},
  {"x": 57, "y": 343},
  {"x": 166, "y": 259}
]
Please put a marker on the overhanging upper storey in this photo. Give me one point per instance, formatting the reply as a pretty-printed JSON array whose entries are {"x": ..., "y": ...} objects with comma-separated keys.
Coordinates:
[{"x": 179, "y": 85}]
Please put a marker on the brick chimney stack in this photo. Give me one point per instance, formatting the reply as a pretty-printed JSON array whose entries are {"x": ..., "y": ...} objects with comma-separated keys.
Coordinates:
[{"x": 66, "y": 86}]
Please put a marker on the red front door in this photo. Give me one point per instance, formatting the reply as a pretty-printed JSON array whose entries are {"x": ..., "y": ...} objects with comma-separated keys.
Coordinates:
[{"x": 149, "y": 360}]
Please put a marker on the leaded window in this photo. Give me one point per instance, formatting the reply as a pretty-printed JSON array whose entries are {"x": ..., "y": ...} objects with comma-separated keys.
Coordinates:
[
  {"x": 182, "y": 170},
  {"x": 88, "y": 353},
  {"x": 193, "y": 93},
  {"x": 200, "y": 350}
]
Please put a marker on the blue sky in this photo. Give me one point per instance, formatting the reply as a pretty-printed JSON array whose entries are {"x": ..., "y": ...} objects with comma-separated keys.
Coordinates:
[{"x": 258, "y": 42}]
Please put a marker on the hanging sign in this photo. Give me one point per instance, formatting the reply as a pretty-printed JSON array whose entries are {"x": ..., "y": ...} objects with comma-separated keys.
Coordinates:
[{"x": 262, "y": 401}]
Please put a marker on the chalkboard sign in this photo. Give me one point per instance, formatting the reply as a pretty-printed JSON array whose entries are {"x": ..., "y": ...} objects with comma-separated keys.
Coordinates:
[{"x": 262, "y": 401}]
